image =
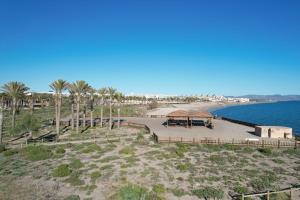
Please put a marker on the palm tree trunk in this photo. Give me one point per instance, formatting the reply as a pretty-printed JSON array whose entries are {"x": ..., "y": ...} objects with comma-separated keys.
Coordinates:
[
  {"x": 14, "y": 105},
  {"x": 77, "y": 114},
  {"x": 118, "y": 117},
  {"x": 110, "y": 114},
  {"x": 101, "y": 117},
  {"x": 1, "y": 122},
  {"x": 72, "y": 116},
  {"x": 92, "y": 122},
  {"x": 84, "y": 116}
]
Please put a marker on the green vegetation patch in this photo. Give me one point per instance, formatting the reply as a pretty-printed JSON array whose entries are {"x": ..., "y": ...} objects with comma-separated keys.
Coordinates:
[
  {"x": 133, "y": 192},
  {"x": 10, "y": 152},
  {"x": 95, "y": 175},
  {"x": 60, "y": 150},
  {"x": 178, "y": 192},
  {"x": 91, "y": 148},
  {"x": 159, "y": 188},
  {"x": 76, "y": 164},
  {"x": 265, "y": 151},
  {"x": 183, "y": 166},
  {"x": 72, "y": 197},
  {"x": 74, "y": 179},
  {"x": 35, "y": 153},
  {"x": 62, "y": 170},
  {"x": 209, "y": 193},
  {"x": 128, "y": 150}
]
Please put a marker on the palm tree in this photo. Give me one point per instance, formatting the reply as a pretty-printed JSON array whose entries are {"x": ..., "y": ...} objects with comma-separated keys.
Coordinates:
[
  {"x": 1, "y": 122},
  {"x": 58, "y": 87},
  {"x": 79, "y": 87},
  {"x": 111, "y": 92},
  {"x": 92, "y": 92},
  {"x": 102, "y": 93},
  {"x": 15, "y": 90},
  {"x": 72, "y": 100},
  {"x": 119, "y": 98}
]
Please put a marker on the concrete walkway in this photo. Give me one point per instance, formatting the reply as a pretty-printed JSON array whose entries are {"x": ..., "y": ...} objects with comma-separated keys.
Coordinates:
[{"x": 222, "y": 129}]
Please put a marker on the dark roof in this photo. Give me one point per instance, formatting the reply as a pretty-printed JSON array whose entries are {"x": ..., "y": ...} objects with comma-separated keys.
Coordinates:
[{"x": 195, "y": 114}]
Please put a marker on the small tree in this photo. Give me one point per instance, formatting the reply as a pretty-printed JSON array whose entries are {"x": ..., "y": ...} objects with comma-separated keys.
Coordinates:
[{"x": 28, "y": 123}]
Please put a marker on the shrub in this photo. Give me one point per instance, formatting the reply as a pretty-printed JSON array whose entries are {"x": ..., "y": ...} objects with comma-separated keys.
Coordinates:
[
  {"x": 60, "y": 150},
  {"x": 158, "y": 188},
  {"x": 183, "y": 166},
  {"x": 91, "y": 148},
  {"x": 133, "y": 192},
  {"x": 76, "y": 164},
  {"x": 95, "y": 175},
  {"x": 74, "y": 179},
  {"x": 2, "y": 148},
  {"x": 127, "y": 150},
  {"x": 62, "y": 171},
  {"x": 220, "y": 160},
  {"x": 10, "y": 152},
  {"x": 240, "y": 189},
  {"x": 72, "y": 197},
  {"x": 264, "y": 182},
  {"x": 265, "y": 151},
  {"x": 209, "y": 192},
  {"x": 278, "y": 161},
  {"x": 35, "y": 153},
  {"x": 178, "y": 192}
]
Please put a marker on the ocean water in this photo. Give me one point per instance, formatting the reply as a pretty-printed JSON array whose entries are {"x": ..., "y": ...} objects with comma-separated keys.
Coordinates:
[{"x": 285, "y": 113}]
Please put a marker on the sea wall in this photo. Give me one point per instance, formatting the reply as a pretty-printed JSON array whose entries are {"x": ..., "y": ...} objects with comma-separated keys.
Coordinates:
[{"x": 239, "y": 122}]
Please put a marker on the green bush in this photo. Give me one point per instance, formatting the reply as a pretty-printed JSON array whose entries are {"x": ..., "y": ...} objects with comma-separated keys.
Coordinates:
[
  {"x": 264, "y": 182},
  {"x": 10, "y": 152},
  {"x": 158, "y": 188},
  {"x": 91, "y": 148},
  {"x": 76, "y": 164},
  {"x": 265, "y": 151},
  {"x": 95, "y": 175},
  {"x": 60, "y": 150},
  {"x": 35, "y": 153},
  {"x": 178, "y": 192},
  {"x": 209, "y": 192},
  {"x": 133, "y": 192},
  {"x": 74, "y": 179},
  {"x": 62, "y": 170},
  {"x": 240, "y": 189},
  {"x": 127, "y": 150},
  {"x": 72, "y": 197},
  {"x": 2, "y": 148},
  {"x": 183, "y": 166}
]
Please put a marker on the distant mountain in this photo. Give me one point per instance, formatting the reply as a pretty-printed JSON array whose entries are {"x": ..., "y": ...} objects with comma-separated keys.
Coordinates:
[{"x": 275, "y": 97}]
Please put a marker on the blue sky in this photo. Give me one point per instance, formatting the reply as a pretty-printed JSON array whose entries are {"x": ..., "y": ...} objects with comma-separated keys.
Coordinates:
[{"x": 231, "y": 47}]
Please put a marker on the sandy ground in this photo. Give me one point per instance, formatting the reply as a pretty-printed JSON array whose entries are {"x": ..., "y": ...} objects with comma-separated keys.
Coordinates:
[
  {"x": 222, "y": 129},
  {"x": 199, "y": 106}
]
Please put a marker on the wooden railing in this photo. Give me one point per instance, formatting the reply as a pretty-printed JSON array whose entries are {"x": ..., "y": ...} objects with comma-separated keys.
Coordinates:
[
  {"x": 267, "y": 194},
  {"x": 280, "y": 143}
]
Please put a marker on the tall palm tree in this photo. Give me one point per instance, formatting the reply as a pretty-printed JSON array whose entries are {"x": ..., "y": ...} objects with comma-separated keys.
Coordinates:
[
  {"x": 15, "y": 90},
  {"x": 58, "y": 87},
  {"x": 79, "y": 87},
  {"x": 119, "y": 98},
  {"x": 102, "y": 93},
  {"x": 1, "y": 122},
  {"x": 111, "y": 93},
  {"x": 72, "y": 101},
  {"x": 92, "y": 93}
]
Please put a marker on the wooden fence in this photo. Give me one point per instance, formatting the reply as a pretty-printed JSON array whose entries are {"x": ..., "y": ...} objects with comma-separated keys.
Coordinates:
[
  {"x": 280, "y": 143},
  {"x": 267, "y": 194}
]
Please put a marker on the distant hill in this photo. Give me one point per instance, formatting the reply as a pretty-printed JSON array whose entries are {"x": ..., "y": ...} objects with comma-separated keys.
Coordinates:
[{"x": 275, "y": 97}]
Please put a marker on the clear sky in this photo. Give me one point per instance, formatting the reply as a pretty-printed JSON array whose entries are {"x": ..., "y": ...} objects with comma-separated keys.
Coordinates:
[{"x": 154, "y": 46}]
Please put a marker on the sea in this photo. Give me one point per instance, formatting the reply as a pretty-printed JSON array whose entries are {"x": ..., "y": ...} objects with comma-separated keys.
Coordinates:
[{"x": 283, "y": 113}]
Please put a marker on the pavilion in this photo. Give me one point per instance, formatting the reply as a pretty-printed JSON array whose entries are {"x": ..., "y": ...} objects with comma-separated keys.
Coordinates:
[{"x": 188, "y": 118}]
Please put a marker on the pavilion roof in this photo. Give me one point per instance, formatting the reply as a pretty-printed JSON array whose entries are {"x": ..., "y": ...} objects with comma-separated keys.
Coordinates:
[{"x": 195, "y": 114}]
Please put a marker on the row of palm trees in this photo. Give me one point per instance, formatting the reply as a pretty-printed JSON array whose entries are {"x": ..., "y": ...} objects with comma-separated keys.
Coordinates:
[{"x": 80, "y": 93}]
